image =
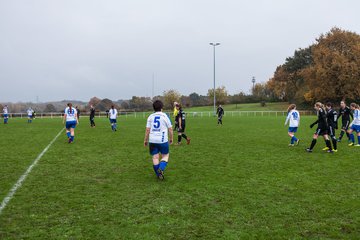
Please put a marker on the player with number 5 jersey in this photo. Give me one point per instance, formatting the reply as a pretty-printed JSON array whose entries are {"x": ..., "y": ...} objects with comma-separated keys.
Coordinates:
[
  {"x": 158, "y": 136},
  {"x": 293, "y": 118}
]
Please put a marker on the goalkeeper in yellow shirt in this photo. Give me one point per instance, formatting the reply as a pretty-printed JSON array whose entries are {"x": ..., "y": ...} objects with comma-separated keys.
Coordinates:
[{"x": 176, "y": 111}]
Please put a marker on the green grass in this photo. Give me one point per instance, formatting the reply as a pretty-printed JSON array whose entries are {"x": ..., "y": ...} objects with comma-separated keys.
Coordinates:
[
  {"x": 239, "y": 181},
  {"x": 281, "y": 106}
]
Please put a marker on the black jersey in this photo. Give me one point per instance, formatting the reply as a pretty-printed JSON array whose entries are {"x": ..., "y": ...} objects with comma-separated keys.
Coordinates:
[
  {"x": 220, "y": 111},
  {"x": 322, "y": 119},
  {"x": 181, "y": 115},
  {"x": 332, "y": 118},
  {"x": 92, "y": 112},
  {"x": 346, "y": 114}
]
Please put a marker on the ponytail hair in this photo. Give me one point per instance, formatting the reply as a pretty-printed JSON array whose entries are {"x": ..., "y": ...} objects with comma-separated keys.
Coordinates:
[
  {"x": 70, "y": 107},
  {"x": 320, "y": 105},
  {"x": 291, "y": 107}
]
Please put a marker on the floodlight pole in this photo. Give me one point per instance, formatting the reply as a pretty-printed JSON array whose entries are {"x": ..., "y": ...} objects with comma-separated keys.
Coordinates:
[{"x": 214, "y": 45}]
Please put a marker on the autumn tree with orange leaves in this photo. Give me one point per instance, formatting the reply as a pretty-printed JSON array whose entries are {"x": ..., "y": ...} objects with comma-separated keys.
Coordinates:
[{"x": 328, "y": 70}]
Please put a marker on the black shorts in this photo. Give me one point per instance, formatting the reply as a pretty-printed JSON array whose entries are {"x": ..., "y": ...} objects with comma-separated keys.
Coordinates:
[
  {"x": 321, "y": 131},
  {"x": 331, "y": 131},
  {"x": 345, "y": 125},
  {"x": 182, "y": 129}
]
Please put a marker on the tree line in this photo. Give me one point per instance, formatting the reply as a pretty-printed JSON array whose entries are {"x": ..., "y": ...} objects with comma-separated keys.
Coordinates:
[{"x": 328, "y": 70}]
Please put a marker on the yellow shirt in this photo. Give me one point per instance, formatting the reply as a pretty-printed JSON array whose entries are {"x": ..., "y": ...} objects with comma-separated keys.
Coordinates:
[{"x": 175, "y": 112}]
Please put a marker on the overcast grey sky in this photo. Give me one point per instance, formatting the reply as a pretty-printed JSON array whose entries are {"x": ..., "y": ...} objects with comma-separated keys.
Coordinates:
[{"x": 77, "y": 49}]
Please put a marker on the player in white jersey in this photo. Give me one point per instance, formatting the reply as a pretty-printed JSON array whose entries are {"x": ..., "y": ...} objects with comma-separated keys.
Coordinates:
[
  {"x": 158, "y": 136},
  {"x": 112, "y": 116},
  {"x": 6, "y": 114},
  {"x": 70, "y": 120},
  {"x": 355, "y": 125},
  {"x": 30, "y": 113},
  {"x": 293, "y": 118}
]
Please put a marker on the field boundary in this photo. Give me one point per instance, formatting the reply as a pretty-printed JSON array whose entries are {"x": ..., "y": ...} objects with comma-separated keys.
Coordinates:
[
  {"x": 190, "y": 114},
  {"x": 20, "y": 181}
]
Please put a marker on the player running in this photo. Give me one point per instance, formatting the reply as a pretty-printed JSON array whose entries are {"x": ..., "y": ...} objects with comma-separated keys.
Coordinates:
[
  {"x": 345, "y": 113},
  {"x": 6, "y": 114},
  {"x": 181, "y": 119},
  {"x": 332, "y": 123},
  {"x": 293, "y": 118},
  {"x": 355, "y": 125},
  {"x": 30, "y": 114},
  {"x": 322, "y": 128},
  {"x": 92, "y": 116},
  {"x": 220, "y": 112},
  {"x": 158, "y": 135},
  {"x": 112, "y": 116},
  {"x": 70, "y": 120}
]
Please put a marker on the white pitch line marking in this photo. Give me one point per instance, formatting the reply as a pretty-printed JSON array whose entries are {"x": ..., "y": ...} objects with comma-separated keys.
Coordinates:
[{"x": 19, "y": 182}]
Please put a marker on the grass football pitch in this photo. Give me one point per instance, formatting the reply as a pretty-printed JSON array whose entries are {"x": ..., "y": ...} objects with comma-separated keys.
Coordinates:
[{"x": 239, "y": 181}]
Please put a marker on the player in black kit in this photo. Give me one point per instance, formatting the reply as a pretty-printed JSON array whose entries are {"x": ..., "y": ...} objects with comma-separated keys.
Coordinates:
[
  {"x": 322, "y": 129},
  {"x": 332, "y": 123},
  {"x": 181, "y": 119},
  {"x": 220, "y": 112},
  {"x": 345, "y": 113},
  {"x": 92, "y": 116}
]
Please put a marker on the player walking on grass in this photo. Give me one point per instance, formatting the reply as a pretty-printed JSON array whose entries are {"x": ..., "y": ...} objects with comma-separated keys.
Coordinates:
[
  {"x": 112, "y": 116},
  {"x": 293, "y": 118},
  {"x": 181, "y": 119},
  {"x": 175, "y": 113},
  {"x": 322, "y": 129},
  {"x": 92, "y": 116},
  {"x": 355, "y": 125},
  {"x": 158, "y": 135},
  {"x": 6, "y": 114},
  {"x": 332, "y": 123},
  {"x": 345, "y": 113},
  {"x": 70, "y": 120},
  {"x": 30, "y": 114},
  {"x": 220, "y": 112}
]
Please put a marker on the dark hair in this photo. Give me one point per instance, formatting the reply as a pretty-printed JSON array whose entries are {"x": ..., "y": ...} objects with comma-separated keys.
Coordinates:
[
  {"x": 112, "y": 106},
  {"x": 329, "y": 104},
  {"x": 354, "y": 105},
  {"x": 70, "y": 105},
  {"x": 158, "y": 106}
]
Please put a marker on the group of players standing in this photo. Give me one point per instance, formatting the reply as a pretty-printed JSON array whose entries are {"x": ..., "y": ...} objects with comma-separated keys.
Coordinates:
[
  {"x": 327, "y": 123},
  {"x": 158, "y": 134},
  {"x": 30, "y": 113},
  {"x": 71, "y": 119}
]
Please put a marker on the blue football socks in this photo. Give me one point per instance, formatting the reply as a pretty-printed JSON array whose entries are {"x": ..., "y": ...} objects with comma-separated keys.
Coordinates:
[
  {"x": 352, "y": 138},
  {"x": 156, "y": 167},
  {"x": 293, "y": 140},
  {"x": 68, "y": 134},
  {"x": 163, "y": 165}
]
